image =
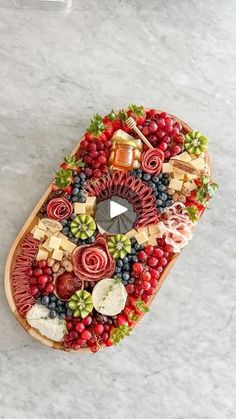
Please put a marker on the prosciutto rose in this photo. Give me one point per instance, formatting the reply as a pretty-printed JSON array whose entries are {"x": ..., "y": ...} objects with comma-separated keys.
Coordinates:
[{"x": 93, "y": 262}]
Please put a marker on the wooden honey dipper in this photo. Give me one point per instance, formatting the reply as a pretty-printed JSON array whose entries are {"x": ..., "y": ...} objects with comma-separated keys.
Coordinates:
[{"x": 131, "y": 123}]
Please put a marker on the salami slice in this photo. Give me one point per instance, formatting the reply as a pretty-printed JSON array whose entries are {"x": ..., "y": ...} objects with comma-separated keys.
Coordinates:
[
  {"x": 59, "y": 209},
  {"x": 152, "y": 161}
]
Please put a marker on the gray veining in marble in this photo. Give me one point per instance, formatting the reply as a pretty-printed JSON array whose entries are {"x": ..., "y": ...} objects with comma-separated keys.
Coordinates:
[{"x": 55, "y": 71}]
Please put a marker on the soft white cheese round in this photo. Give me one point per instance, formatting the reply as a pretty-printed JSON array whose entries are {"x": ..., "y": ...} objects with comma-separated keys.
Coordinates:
[
  {"x": 109, "y": 297},
  {"x": 54, "y": 329}
]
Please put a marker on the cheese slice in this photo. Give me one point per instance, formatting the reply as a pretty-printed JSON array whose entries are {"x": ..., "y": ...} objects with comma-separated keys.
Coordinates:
[
  {"x": 131, "y": 233},
  {"x": 152, "y": 241},
  {"x": 167, "y": 168},
  {"x": 79, "y": 208},
  {"x": 46, "y": 245},
  {"x": 57, "y": 254},
  {"x": 68, "y": 246},
  {"x": 38, "y": 234},
  {"x": 190, "y": 186},
  {"x": 178, "y": 174},
  {"x": 90, "y": 203},
  {"x": 42, "y": 225},
  {"x": 176, "y": 184},
  {"x": 153, "y": 229},
  {"x": 198, "y": 163},
  {"x": 54, "y": 242}
]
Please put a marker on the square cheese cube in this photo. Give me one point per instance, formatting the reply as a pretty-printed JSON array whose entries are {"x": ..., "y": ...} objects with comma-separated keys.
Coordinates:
[
  {"x": 54, "y": 242},
  {"x": 141, "y": 237},
  {"x": 46, "y": 245},
  {"x": 42, "y": 254},
  {"x": 68, "y": 246},
  {"x": 176, "y": 184},
  {"x": 57, "y": 254},
  {"x": 190, "y": 186},
  {"x": 131, "y": 233},
  {"x": 79, "y": 208},
  {"x": 167, "y": 168},
  {"x": 152, "y": 241},
  {"x": 191, "y": 177},
  {"x": 90, "y": 203},
  {"x": 39, "y": 234},
  {"x": 178, "y": 174},
  {"x": 153, "y": 229}
]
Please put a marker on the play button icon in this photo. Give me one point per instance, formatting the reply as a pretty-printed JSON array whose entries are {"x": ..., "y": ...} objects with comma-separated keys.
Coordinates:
[
  {"x": 116, "y": 209},
  {"x": 115, "y": 216}
]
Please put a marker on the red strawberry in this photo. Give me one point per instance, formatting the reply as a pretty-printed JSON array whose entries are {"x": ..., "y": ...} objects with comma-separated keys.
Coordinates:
[{"x": 138, "y": 113}]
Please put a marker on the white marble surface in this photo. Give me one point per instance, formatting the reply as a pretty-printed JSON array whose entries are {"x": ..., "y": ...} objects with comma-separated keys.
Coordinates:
[{"x": 55, "y": 71}]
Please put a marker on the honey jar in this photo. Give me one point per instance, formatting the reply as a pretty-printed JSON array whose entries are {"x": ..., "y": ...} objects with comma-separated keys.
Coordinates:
[{"x": 123, "y": 157}]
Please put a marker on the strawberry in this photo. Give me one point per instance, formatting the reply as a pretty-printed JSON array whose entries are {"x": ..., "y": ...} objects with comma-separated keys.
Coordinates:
[
  {"x": 96, "y": 129},
  {"x": 138, "y": 113},
  {"x": 70, "y": 163},
  {"x": 63, "y": 178}
]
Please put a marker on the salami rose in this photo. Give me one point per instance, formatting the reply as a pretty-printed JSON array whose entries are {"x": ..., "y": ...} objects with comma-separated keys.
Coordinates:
[
  {"x": 59, "y": 209},
  {"x": 152, "y": 160},
  {"x": 93, "y": 262}
]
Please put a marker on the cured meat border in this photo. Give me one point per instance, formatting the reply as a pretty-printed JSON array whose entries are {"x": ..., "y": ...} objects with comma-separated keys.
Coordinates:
[{"x": 27, "y": 227}]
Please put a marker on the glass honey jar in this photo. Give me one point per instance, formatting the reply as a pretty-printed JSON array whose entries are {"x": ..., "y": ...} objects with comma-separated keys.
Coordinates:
[{"x": 123, "y": 156}]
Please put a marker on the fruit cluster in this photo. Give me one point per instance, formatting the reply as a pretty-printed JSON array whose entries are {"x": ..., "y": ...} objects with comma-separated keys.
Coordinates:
[
  {"x": 75, "y": 193},
  {"x": 40, "y": 279},
  {"x": 123, "y": 267},
  {"x": 159, "y": 185},
  {"x": 56, "y": 306},
  {"x": 164, "y": 133},
  {"x": 66, "y": 230}
]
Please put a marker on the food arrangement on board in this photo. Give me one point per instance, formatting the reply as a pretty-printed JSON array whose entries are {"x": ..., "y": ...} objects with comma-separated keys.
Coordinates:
[{"x": 121, "y": 208}]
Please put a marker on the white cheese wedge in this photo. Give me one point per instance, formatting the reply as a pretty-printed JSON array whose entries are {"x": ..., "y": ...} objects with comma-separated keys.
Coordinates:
[
  {"x": 38, "y": 318},
  {"x": 176, "y": 184},
  {"x": 185, "y": 156},
  {"x": 167, "y": 168},
  {"x": 57, "y": 254},
  {"x": 42, "y": 254},
  {"x": 54, "y": 242},
  {"x": 38, "y": 234},
  {"x": 79, "y": 208},
  {"x": 198, "y": 163},
  {"x": 109, "y": 297},
  {"x": 120, "y": 134}
]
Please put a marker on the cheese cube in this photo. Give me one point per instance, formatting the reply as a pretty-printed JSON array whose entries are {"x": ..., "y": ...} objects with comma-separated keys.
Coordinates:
[
  {"x": 38, "y": 234},
  {"x": 42, "y": 254},
  {"x": 51, "y": 225},
  {"x": 190, "y": 186},
  {"x": 191, "y": 177},
  {"x": 62, "y": 236},
  {"x": 185, "y": 156},
  {"x": 141, "y": 237},
  {"x": 178, "y": 174},
  {"x": 46, "y": 245},
  {"x": 152, "y": 241},
  {"x": 198, "y": 163},
  {"x": 57, "y": 254},
  {"x": 42, "y": 225},
  {"x": 54, "y": 242},
  {"x": 176, "y": 184},
  {"x": 153, "y": 229},
  {"x": 90, "y": 203},
  {"x": 68, "y": 246},
  {"x": 131, "y": 233},
  {"x": 79, "y": 208},
  {"x": 167, "y": 168}
]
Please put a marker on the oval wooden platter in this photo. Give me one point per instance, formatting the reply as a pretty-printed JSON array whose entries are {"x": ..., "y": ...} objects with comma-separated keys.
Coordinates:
[{"x": 15, "y": 249}]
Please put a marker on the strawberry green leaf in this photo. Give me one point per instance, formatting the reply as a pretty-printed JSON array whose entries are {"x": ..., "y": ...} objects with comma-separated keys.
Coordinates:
[
  {"x": 140, "y": 306},
  {"x": 119, "y": 333},
  {"x": 193, "y": 213},
  {"x": 96, "y": 126},
  {"x": 137, "y": 110}
]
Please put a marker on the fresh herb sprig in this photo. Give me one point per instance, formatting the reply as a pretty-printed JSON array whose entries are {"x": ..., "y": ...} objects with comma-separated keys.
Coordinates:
[
  {"x": 120, "y": 333},
  {"x": 206, "y": 190},
  {"x": 141, "y": 306}
]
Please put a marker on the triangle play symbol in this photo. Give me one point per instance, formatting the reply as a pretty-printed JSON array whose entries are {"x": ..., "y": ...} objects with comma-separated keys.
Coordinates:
[{"x": 116, "y": 209}]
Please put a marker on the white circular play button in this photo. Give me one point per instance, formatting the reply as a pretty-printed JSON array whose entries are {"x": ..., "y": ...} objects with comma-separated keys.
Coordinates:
[{"x": 115, "y": 216}]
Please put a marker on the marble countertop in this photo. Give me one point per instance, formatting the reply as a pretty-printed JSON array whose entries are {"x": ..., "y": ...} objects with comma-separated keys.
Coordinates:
[{"x": 56, "y": 70}]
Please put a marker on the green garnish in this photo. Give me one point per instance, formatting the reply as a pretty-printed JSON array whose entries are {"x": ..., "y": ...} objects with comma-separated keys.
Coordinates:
[
  {"x": 71, "y": 161},
  {"x": 119, "y": 333},
  {"x": 193, "y": 213},
  {"x": 137, "y": 110},
  {"x": 112, "y": 115},
  {"x": 97, "y": 125},
  {"x": 140, "y": 306},
  {"x": 122, "y": 115},
  {"x": 206, "y": 190},
  {"x": 63, "y": 178}
]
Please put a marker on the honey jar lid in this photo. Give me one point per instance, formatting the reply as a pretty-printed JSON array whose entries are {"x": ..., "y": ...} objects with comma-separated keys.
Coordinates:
[{"x": 127, "y": 142}]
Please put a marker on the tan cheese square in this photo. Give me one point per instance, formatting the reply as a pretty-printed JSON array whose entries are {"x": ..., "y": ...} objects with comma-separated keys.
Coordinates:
[
  {"x": 152, "y": 241},
  {"x": 178, "y": 174},
  {"x": 68, "y": 246},
  {"x": 190, "y": 186},
  {"x": 57, "y": 254},
  {"x": 42, "y": 254},
  {"x": 90, "y": 203},
  {"x": 38, "y": 234},
  {"x": 42, "y": 225},
  {"x": 141, "y": 237},
  {"x": 131, "y": 233},
  {"x": 54, "y": 242},
  {"x": 167, "y": 168},
  {"x": 46, "y": 245},
  {"x": 153, "y": 229},
  {"x": 191, "y": 177},
  {"x": 176, "y": 184},
  {"x": 185, "y": 156},
  {"x": 79, "y": 208}
]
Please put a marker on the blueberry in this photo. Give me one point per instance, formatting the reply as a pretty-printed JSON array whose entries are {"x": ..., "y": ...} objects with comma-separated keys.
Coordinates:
[
  {"x": 59, "y": 302},
  {"x": 165, "y": 181},
  {"x": 166, "y": 175},
  {"x": 76, "y": 191},
  {"x": 146, "y": 176},
  {"x": 126, "y": 267},
  {"x": 117, "y": 269},
  {"x": 82, "y": 175},
  {"x": 141, "y": 246},
  {"x": 71, "y": 235},
  {"x": 45, "y": 300},
  {"x": 52, "y": 314},
  {"x": 52, "y": 297},
  {"x": 39, "y": 300},
  {"x": 136, "y": 246},
  {"x": 155, "y": 179},
  {"x": 65, "y": 230},
  {"x": 151, "y": 184},
  {"x": 168, "y": 203},
  {"x": 52, "y": 305},
  {"x": 161, "y": 210},
  {"x": 64, "y": 223},
  {"x": 160, "y": 176},
  {"x": 163, "y": 196},
  {"x": 69, "y": 312},
  {"x": 76, "y": 179},
  {"x": 133, "y": 251},
  {"x": 125, "y": 259},
  {"x": 61, "y": 316},
  {"x": 82, "y": 199},
  {"x": 125, "y": 275},
  {"x": 161, "y": 188},
  {"x": 158, "y": 202},
  {"x": 131, "y": 280},
  {"x": 135, "y": 258},
  {"x": 74, "y": 198},
  {"x": 119, "y": 263},
  {"x": 125, "y": 283}
]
